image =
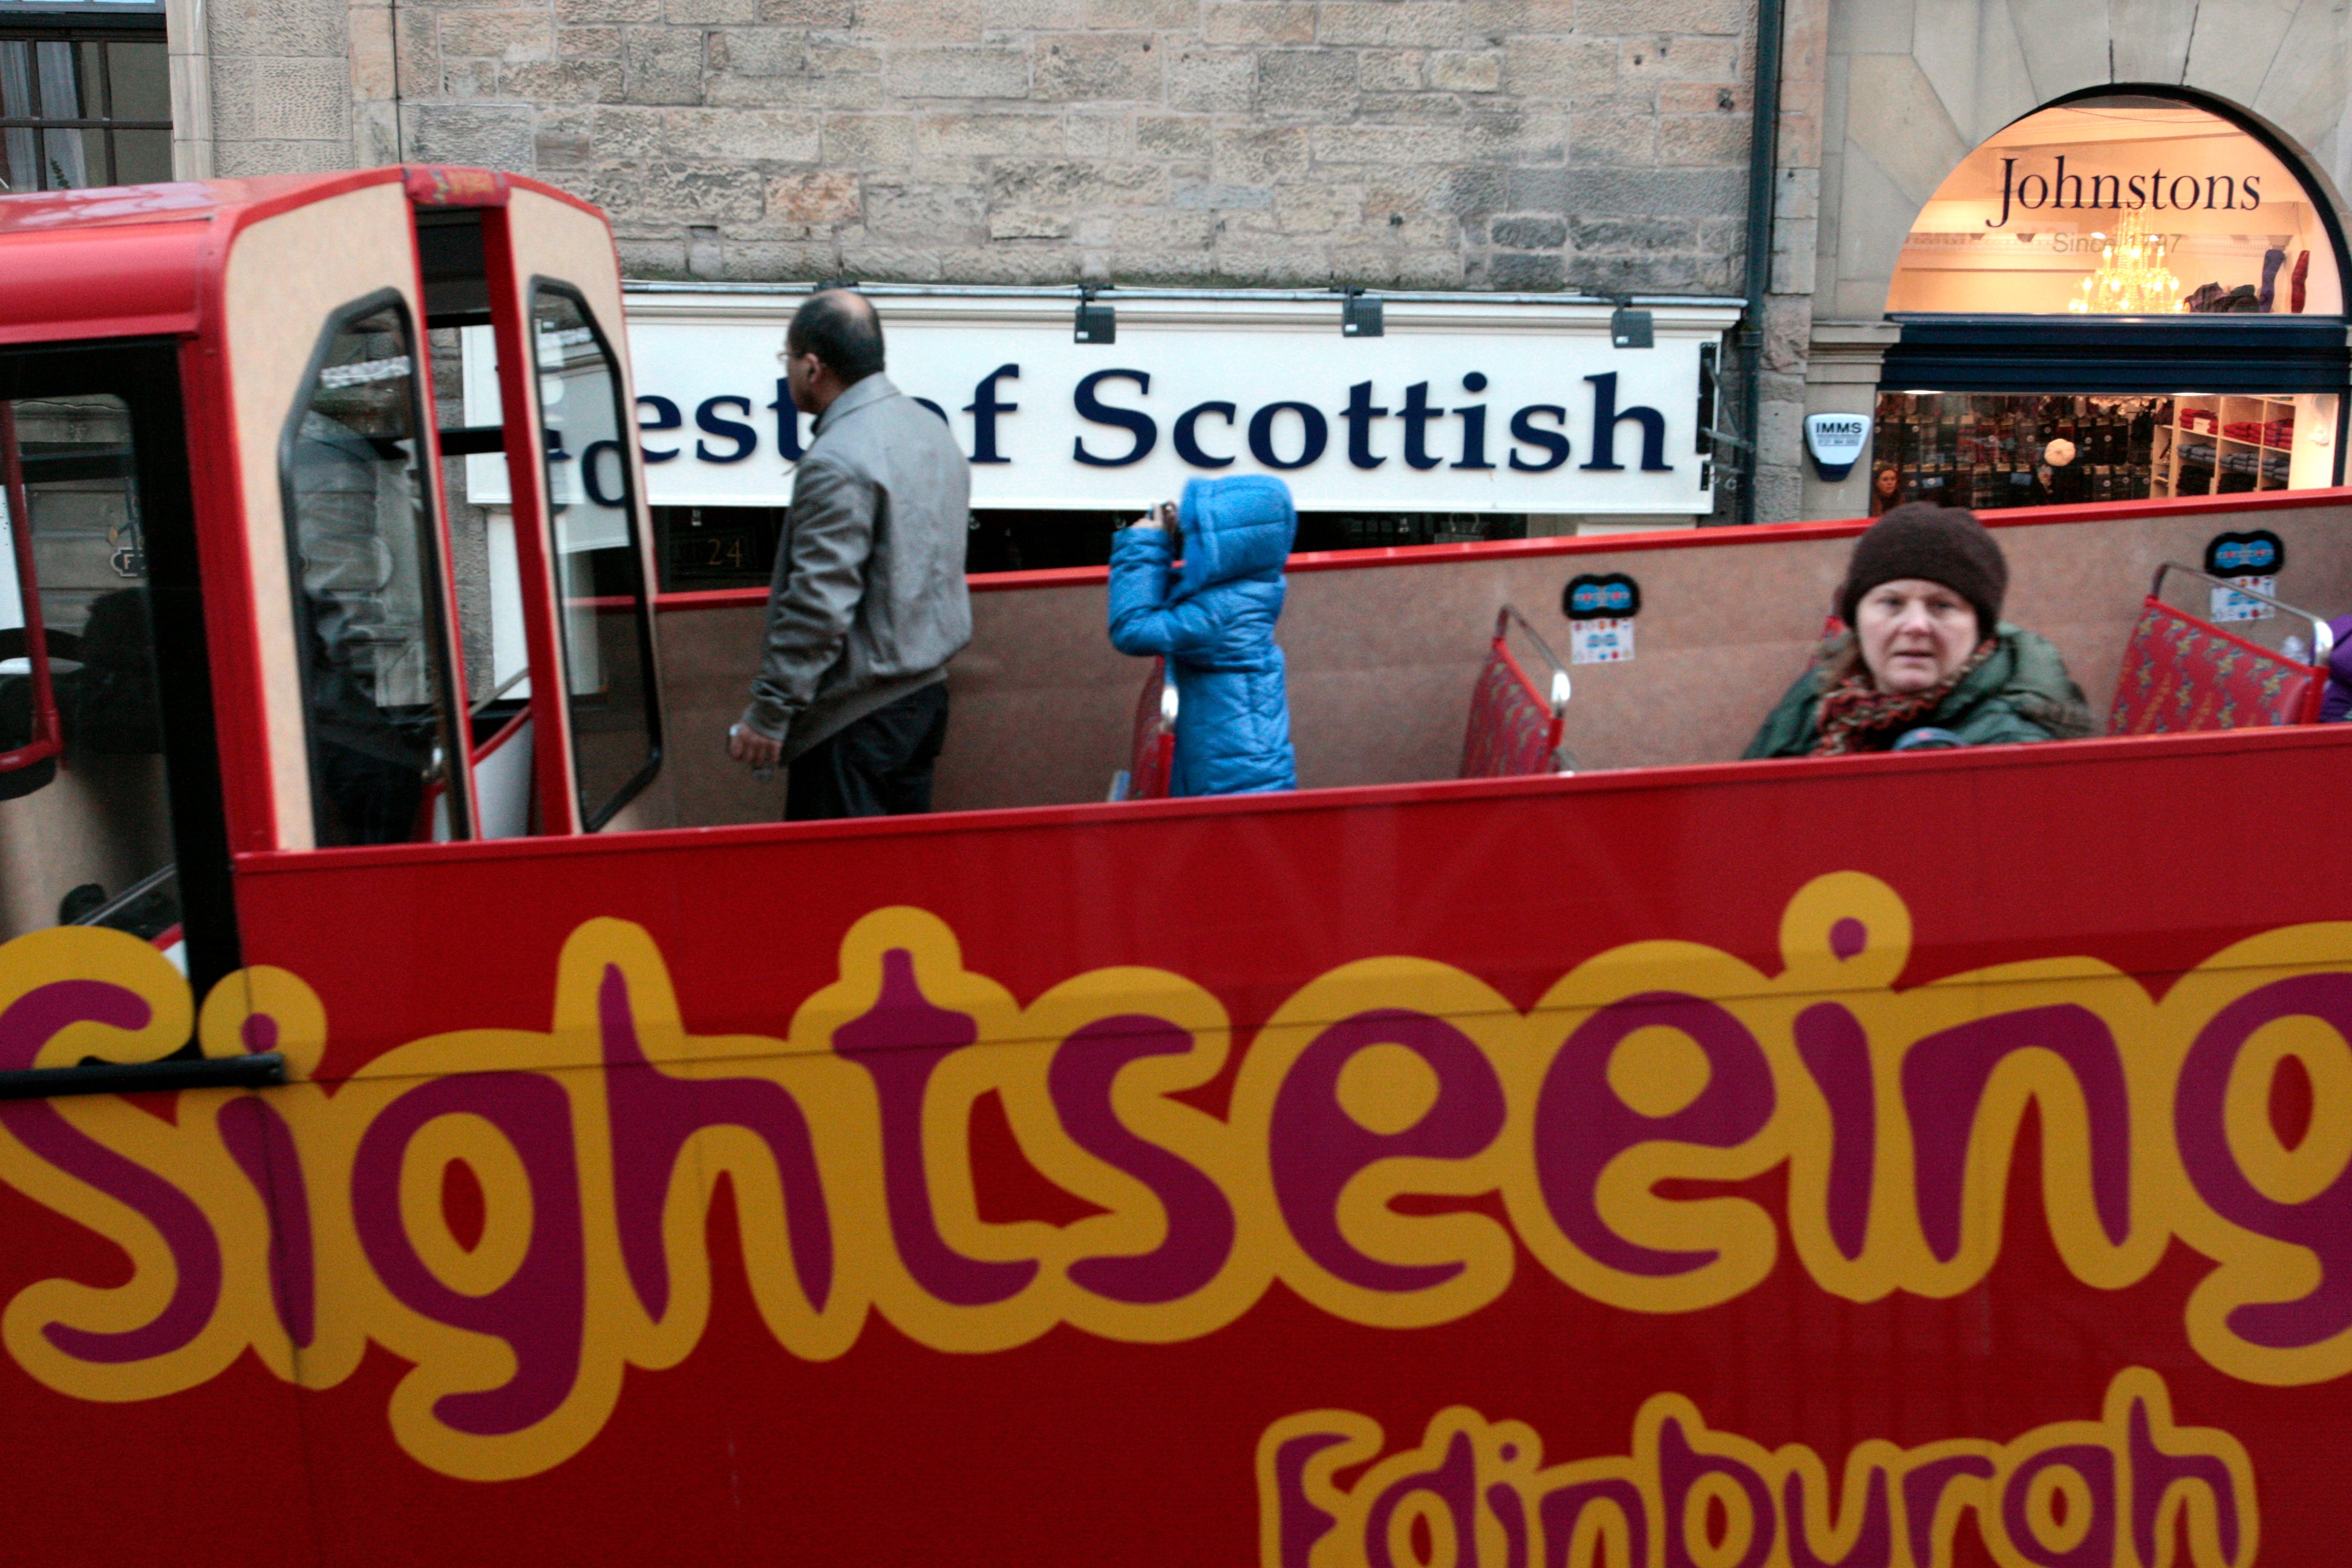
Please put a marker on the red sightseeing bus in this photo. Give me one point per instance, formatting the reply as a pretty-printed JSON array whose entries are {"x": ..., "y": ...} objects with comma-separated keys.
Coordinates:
[{"x": 442, "y": 1124}]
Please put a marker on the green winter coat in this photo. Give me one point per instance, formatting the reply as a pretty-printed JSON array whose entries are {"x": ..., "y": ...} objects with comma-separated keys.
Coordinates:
[{"x": 2022, "y": 693}]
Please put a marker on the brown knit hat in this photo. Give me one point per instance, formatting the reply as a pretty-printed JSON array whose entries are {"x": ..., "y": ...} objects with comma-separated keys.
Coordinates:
[{"x": 1936, "y": 544}]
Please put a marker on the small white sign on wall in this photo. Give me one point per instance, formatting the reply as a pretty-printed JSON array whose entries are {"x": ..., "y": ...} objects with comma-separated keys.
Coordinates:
[
  {"x": 1600, "y": 641},
  {"x": 2229, "y": 605}
]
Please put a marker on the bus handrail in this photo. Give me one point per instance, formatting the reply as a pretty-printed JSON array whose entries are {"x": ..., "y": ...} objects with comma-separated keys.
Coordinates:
[
  {"x": 1561, "y": 687},
  {"x": 259, "y": 1069},
  {"x": 131, "y": 895},
  {"x": 508, "y": 684},
  {"x": 2322, "y": 640}
]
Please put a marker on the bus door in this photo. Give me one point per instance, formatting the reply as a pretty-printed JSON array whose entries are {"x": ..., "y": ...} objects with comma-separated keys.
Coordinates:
[
  {"x": 363, "y": 697},
  {"x": 110, "y": 799},
  {"x": 539, "y": 271}
]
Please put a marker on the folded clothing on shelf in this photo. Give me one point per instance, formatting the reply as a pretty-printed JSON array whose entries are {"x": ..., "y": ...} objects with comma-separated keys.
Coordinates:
[
  {"x": 2200, "y": 420},
  {"x": 2272, "y": 433},
  {"x": 2270, "y": 466}
]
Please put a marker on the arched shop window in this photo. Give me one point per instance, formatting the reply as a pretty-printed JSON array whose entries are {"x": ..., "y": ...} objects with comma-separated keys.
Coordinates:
[{"x": 2117, "y": 298}]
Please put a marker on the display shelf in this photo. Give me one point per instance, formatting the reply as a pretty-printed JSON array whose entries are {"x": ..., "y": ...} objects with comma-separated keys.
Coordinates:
[{"x": 2205, "y": 419}]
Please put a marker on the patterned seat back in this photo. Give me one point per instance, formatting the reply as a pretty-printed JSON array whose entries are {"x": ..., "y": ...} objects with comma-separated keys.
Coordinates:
[
  {"x": 1514, "y": 730},
  {"x": 2181, "y": 674}
]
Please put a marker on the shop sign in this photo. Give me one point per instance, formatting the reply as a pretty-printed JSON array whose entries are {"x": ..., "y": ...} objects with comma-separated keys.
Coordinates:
[
  {"x": 1462, "y": 405},
  {"x": 2121, "y": 190}
]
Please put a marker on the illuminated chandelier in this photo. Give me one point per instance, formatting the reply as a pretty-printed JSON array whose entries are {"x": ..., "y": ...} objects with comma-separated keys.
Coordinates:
[{"x": 2131, "y": 279}]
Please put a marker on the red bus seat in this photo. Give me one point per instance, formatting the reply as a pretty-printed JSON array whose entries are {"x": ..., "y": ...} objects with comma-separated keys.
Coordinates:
[
  {"x": 1515, "y": 728},
  {"x": 2181, "y": 674},
  {"x": 1153, "y": 758}
]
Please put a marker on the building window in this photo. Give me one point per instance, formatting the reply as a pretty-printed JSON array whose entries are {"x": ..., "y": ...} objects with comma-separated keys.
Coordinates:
[
  {"x": 83, "y": 108},
  {"x": 2122, "y": 297},
  {"x": 2121, "y": 205}
]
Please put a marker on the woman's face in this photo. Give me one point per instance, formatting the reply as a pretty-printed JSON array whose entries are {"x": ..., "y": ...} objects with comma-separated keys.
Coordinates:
[
  {"x": 1886, "y": 482},
  {"x": 1914, "y": 634}
]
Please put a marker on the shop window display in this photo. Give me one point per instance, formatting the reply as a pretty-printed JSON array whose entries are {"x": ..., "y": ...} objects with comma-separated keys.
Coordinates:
[
  {"x": 2123, "y": 205},
  {"x": 1990, "y": 451}
]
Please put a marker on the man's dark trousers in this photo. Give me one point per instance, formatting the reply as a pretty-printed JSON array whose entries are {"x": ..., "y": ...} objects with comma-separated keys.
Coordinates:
[{"x": 879, "y": 765}]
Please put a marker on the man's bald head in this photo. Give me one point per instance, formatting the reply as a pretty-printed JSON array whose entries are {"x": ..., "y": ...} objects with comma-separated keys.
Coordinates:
[{"x": 840, "y": 328}]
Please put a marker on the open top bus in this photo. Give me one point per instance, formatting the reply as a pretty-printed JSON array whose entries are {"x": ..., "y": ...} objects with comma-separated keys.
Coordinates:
[{"x": 445, "y": 1123}]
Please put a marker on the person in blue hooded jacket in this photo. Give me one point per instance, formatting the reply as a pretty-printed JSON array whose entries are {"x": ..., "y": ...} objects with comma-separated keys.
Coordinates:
[{"x": 1212, "y": 617}]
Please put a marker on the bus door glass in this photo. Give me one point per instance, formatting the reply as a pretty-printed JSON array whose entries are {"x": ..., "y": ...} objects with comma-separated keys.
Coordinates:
[
  {"x": 491, "y": 636},
  {"x": 110, "y": 799},
  {"x": 361, "y": 699},
  {"x": 597, "y": 555},
  {"x": 558, "y": 627},
  {"x": 364, "y": 549}
]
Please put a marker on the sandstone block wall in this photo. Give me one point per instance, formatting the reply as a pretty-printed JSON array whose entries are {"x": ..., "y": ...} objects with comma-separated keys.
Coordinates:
[{"x": 1517, "y": 144}]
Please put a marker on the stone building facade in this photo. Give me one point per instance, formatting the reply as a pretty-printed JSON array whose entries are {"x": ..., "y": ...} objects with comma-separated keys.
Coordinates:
[
  {"x": 1519, "y": 144},
  {"x": 1885, "y": 97},
  {"x": 1599, "y": 146}
]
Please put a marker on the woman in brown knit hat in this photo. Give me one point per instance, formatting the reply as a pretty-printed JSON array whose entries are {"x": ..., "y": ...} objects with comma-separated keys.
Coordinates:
[{"x": 1927, "y": 660}]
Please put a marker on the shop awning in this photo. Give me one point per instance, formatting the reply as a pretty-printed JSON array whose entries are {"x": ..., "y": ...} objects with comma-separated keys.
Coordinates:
[{"x": 2272, "y": 355}]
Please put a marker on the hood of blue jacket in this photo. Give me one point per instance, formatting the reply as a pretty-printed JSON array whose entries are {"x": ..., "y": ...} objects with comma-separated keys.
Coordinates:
[{"x": 1234, "y": 528}]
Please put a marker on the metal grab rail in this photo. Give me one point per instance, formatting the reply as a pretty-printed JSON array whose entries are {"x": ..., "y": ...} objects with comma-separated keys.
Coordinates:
[
  {"x": 150, "y": 882},
  {"x": 264, "y": 1069},
  {"x": 1561, "y": 687},
  {"x": 2322, "y": 640},
  {"x": 508, "y": 684}
]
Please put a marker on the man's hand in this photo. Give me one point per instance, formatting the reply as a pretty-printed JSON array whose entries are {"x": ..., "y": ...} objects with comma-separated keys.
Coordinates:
[{"x": 751, "y": 747}]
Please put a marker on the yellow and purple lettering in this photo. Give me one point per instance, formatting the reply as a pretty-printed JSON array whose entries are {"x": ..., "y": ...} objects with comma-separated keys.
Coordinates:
[{"x": 306, "y": 1224}]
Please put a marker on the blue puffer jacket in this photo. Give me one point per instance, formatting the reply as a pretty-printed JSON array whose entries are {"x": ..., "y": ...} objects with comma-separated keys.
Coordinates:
[{"x": 1212, "y": 617}]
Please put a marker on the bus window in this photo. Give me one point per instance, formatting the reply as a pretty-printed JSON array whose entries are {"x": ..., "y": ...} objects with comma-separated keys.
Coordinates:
[
  {"x": 368, "y": 588},
  {"x": 85, "y": 831},
  {"x": 599, "y": 562}
]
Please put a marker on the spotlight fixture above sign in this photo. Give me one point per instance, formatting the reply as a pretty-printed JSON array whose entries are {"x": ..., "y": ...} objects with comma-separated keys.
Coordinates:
[
  {"x": 1359, "y": 316},
  {"x": 1097, "y": 324}
]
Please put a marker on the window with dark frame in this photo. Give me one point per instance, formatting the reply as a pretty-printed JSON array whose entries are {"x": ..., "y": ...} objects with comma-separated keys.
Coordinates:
[
  {"x": 606, "y": 624},
  {"x": 82, "y": 106}
]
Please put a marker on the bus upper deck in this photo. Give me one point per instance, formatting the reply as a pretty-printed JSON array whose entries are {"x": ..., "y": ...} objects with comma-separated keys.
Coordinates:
[
  {"x": 284, "y": 478},
  {"x": 1385, "y": 648},
  {"x": 264, "y": 639},
  {"x": 552, "y": 1157}
]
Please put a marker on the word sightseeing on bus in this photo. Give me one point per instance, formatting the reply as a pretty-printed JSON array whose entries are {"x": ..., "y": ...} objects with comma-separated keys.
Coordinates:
[{"x": 304, "y": 1223}]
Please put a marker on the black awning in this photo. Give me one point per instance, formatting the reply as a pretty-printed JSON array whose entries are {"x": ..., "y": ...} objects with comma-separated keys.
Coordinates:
[{"x": 2118, "y": 354}]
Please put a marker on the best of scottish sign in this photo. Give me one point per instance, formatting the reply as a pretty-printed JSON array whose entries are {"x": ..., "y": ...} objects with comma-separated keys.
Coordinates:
[{"x": 1493, "y": 408}]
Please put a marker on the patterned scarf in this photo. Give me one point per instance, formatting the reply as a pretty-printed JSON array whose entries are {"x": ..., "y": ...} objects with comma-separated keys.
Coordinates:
[{"x": 1855, "y": 712}]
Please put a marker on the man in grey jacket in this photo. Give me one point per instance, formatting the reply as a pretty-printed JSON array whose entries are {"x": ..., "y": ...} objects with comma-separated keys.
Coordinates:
[{"x": 868, "y": 603}]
